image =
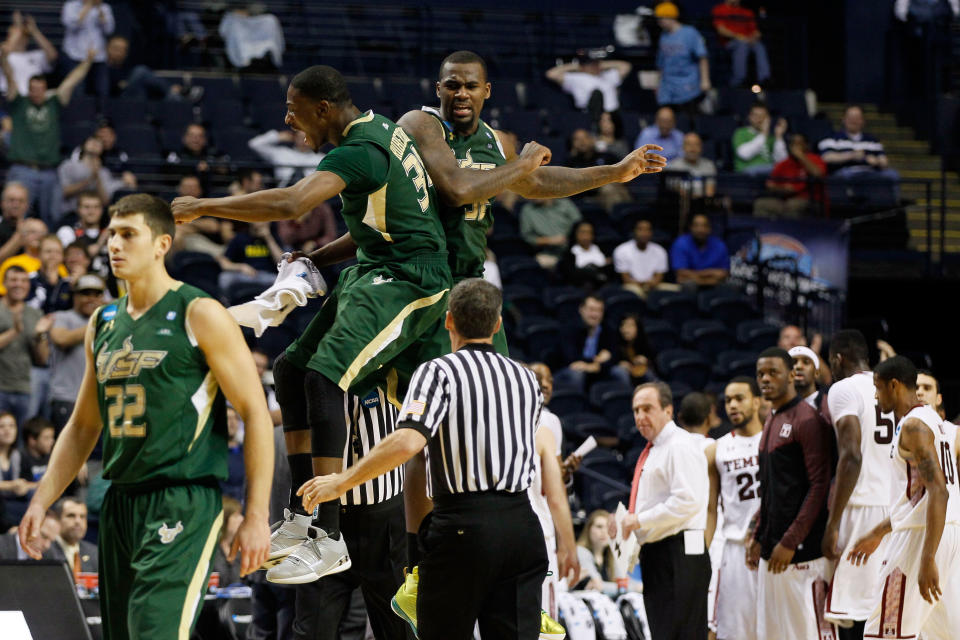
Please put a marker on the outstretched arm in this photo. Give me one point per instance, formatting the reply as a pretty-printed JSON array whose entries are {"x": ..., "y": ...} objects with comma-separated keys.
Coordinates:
[
  {"x": 264, "y": 206},
  {"x": 71, "y": 450},
  {"x": 231, "y": 363},
  {"x": 560, "y": 182},
  {"x": 458, "y": 185}
]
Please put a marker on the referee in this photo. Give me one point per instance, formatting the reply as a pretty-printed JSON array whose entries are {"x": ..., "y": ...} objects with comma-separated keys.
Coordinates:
[
  {"x": 484, "y": 558},
  {"x": 371, "y": 519}
]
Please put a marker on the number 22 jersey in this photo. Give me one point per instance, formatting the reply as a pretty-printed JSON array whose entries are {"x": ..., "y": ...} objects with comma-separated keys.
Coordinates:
[{"x": 738, "y": 464}]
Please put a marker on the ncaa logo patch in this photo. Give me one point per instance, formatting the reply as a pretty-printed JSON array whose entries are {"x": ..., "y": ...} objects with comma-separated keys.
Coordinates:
[
  {"x": 372, "y": 399},
  {"x": 171, "y": 315},
  {"x": 785, "y": 430},
  {"x": 109, "y": 313}
]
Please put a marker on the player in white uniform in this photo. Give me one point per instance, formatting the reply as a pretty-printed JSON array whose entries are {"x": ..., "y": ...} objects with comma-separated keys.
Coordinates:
[
  {"x": 862, "y": 486},
  {"x": 920, "y": 581},
  {"x": 733, "y": 468},
  {"x": 928, "y": 393}
]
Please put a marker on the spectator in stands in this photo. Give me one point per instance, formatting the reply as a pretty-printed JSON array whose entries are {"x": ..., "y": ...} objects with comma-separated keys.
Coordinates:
[
  {"x": 66, "y": 353},
  {"x": 595, "y": 555},
  {"x": 584, "y": 153},
  {"x": 23, "y": 341},
  {"x": 87, "y": 23},
  {"x": 634, "y": 355},
  {"x": 251, "y": 256},
  {"x": 792, "y": 193},
  {"x": 248, "y": 181},
  {"x": 586, "y": 348},
  {"x": 290, "y": 163},
  {"x": 90, "y": 226},
  {"x": 262, "y": 360},
  {"x": 33, "y": 232},
  {"x": 236, "y": 475},
  {"x": 13, "y": 488},
  {"x": 663, "y": 132},
  {"x": 38, "y": 438},
  {"x": 755, "y": 151},
  {"x": 112, "y": 156},
  {"x": 10, "y": 548},
  {"x": 640, "y": 262},
  {"x": 610, "y": 136},
  {"x": 87, "y": 173},
  {"x": 26, "y": 64},
  {"x": 701, "y": 181},
  {"x": 35, "y": 140},
  {"x": 195, "y": 155},
  {"x": 851, "y": 152},
  {"x": 592, "y": 82},
  {"x": 253, "y": 39},
  {"x": 14, "y": 204},
  {"x": 584, "y": 264},
  {"x": 737, "y": 28},
  {"x": 791, "y": 336},
  {"x": 545, "y": 225},
  {"x": 76, "y": 260},
  {"x": 699, "y": 258},
  {"x": 310, "y": 231},
  {"x": 203, "y": 235},
  {"x": 80, "y": 555},
  {"x": 681, "y": 59},
  {"x": 139, "y": 81},
  {"x": 49, "y": 286},
  {"x": 228, "y": 572}
]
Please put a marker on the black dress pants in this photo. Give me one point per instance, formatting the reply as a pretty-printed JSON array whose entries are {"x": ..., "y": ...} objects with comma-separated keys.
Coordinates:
[
  {"x": 675, "y": 589},
  {"x": 376, "y": 537},
  {"x": 484, "y": 561}
]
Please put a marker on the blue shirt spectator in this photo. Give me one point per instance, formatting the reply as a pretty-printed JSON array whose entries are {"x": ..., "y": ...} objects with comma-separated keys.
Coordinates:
[
  {"x": 681, "y": 59},
  {"x": 663, "y": 132},
  {"x": 86, "y": 27},
  {"x": 698, "y": 257}
]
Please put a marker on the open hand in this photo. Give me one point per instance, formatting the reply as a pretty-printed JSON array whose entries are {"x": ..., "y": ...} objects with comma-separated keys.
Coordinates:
[
  {"x": 780, "y": 559},
  {"x": 929, "y": 580},
  {"x": 640, "y": 161},
  {"x": 864, "y": 547},
  {"x": 319, "y": 489},
  {"x": 253, "y": 543},
  {"x": 29, "y": 530}
]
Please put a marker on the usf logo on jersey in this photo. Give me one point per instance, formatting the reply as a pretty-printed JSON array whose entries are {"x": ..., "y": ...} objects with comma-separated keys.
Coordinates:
[
  {"x": 125, "y": 362},
  {"x": 468, "y": 163}
]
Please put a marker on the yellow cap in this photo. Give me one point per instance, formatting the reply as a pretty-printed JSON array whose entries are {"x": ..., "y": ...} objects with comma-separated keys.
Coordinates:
[{"x": 666, "y": 10}]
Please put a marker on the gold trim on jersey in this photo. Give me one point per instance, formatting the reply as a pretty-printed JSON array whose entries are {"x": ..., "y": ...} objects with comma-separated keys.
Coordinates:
[
  {"x": 376, "y": 215},
  {"x": 389, "y": 333},
  {"x": 202, "y": 401},
  {"x": 367, "y": 117},
  {"x": 197, "y": 582},
  {"x": 392, "y": 383}
]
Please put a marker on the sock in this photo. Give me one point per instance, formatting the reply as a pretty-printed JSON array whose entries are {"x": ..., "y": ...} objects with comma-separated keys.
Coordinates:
[
  {"x": 328, "y": 518},
  {"x": 413, "y": 550},
  {"x": 301, "y": 470}
]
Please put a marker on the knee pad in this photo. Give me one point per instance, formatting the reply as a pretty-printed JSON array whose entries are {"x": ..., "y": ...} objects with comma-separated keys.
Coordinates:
[
  {"x": 291, "y": 394},
  {"x": 326, "y": 415}
]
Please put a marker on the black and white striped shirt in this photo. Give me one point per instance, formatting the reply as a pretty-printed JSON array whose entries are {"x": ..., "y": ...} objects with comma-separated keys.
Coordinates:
[
  {"x": 370, "y": 420},
  {"x": 479, "y": 411}
]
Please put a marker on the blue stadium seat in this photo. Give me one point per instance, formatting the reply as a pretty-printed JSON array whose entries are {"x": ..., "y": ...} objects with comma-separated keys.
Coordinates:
[
  {"x": 363, "y": 93},
  {"x": 72, "y": 134},
  {"x": 526, "y": 302},
  {"x": 727, "y": 306},
  {"x": 620, "y": 304},
  {"x": 788, "y": 103},
  {"x": 79, "y": 108},
  {"x": 629, "y": 435},
  {"x": 218, "y": 88},
  {"x": 269, "y": 116},
  {"x": 198, "y": 269},
  {"x": 138, "y": 140},
  {"x": 735, "y": 101},
  {"x": 528, "y": 125},
  {"x": 612, "y": 399},
  {"x": 223, "y": 113},
  {"x": 124, "y": 111},
  {"x": 679, "y": 389},
  {"x": 674, "y": 306},
  {"x": 405, "y": 95},
  {"x": 661, "y": 335},
  {"x": 234, "y": 142},
  {"x": 275, "y": 340},
  {"x": 730, "y": 364},
  {"x": 540, "y": 337},
  {"x": 564, "y": 301},
  {"x": 567, "y": 401},
  {"x": 684, "y": 365},
  {"x": 715, "y": 127},
  {"x": 815, "y": 129},
  {"x": 172, "y": 114},
  {"x": 522, "y": 270},
  {"x": 580, "y": 426},
  {"x": 707, "y": 337},
  {"x": 262, "y": 90},
  {"x": 757, "y": 335}
]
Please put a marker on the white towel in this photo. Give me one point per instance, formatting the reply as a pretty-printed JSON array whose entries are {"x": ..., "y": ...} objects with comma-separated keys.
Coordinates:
[{"x": 296, "y": 282}]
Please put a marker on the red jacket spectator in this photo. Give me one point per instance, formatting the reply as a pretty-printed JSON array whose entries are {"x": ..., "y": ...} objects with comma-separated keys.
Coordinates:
[{"x": 733, "y": 18}]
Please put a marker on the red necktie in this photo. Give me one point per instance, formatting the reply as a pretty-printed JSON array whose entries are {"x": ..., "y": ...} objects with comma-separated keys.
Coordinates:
[
  {"x": 76, "y": 566},
  {"x": 636, "y": 475}
]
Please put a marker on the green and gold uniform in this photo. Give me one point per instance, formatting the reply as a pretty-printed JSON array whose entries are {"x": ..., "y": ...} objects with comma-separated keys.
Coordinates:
[
  {"x": 164, "y": 451},
  {"x": 465, "y": 226},
  {"x": 383, "y": 305}
]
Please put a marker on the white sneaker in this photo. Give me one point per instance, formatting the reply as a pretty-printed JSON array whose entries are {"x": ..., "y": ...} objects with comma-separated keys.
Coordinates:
[
  {"x": 313, "y": 559},
  {"x": 287, "y": 535}
]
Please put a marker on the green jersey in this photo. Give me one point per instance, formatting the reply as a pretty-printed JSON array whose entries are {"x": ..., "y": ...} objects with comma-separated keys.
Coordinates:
[
  {"x": 388, "y": 203},
  {"x": 164, "y": 416},
  {"x": 466, "y": 226}
]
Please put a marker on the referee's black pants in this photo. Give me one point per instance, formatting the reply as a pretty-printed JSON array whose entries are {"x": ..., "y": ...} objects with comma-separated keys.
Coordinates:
[
  {"x": 376, "y": 537},
  {"x": 675, "y": 589},
  {"x": 483, "y": 561}
]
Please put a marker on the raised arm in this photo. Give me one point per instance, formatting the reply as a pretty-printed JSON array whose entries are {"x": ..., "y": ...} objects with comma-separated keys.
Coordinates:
[
  {"x": 622, "y": 66},
  {"x": 920, "y": 449},
  {"x": 65, "y": 90},
  {"x": 458, "y": 185},
  {"x": 49, "y": 51},
  {"x": 556, "y": 73},
  {"x": 268, "y": 205},
  {"x": 71, "y": 450},
  {"x": 8, "y": 74},
  {"x": 231, "y": 363},
  {"x": 560, "y": 182}
]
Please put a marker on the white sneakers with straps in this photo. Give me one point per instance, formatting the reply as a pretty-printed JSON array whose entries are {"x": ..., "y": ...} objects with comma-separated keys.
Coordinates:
[
  {"x": 311, "y": 560},
  {"x": 286, "y": 536}
]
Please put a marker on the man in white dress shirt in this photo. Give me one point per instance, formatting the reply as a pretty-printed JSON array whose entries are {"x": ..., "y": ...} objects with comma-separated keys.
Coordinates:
[{"x": 668, "y": 514}]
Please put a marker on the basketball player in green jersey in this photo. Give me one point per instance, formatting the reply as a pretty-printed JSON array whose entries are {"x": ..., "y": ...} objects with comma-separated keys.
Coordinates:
[
  {"x": 159, "y": 362},
  {"x": 379, "y": 307}
]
